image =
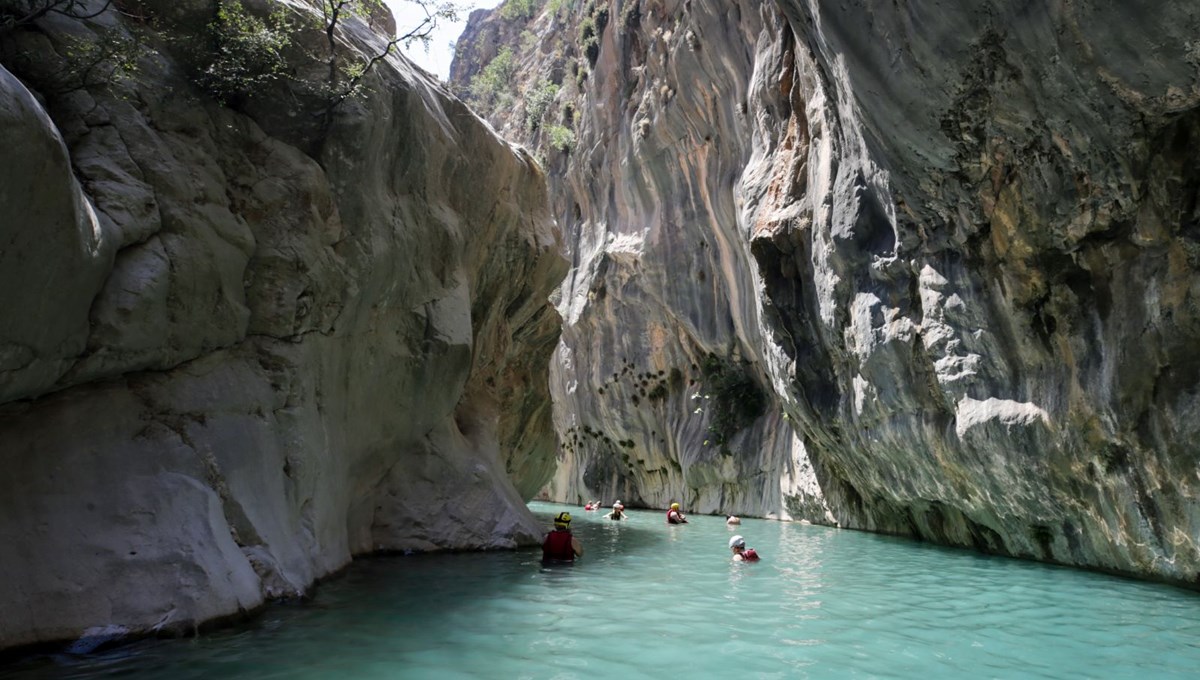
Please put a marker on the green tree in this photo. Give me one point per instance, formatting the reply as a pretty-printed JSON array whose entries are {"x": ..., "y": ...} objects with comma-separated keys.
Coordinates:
[
  {"x": 100, "y": 60},
  {"x": 245, "y": 53},
  {"x": 436, "y": 12},
  {"x": 563, "y": 139},
  {"x": 346, "y": 79},
  {"x": 537, "y": 102},
  {"x": 519, "y": 10},
  {"x": 492, "y": 87},
  {"x": 18, "y": 13}
]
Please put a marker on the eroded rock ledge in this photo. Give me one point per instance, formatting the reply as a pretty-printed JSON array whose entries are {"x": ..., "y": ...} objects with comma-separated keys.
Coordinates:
[{"x": 234, "y": 354}]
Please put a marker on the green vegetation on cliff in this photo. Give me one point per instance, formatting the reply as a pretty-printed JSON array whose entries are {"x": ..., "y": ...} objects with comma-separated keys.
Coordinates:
[
  {"x": 493, "y": 87},
  {"x": 518, "y": 10},
  {"x": 232, "y": 55},
  {"x": 244, "y": 52},
  {"x": 734, "y": 398}
]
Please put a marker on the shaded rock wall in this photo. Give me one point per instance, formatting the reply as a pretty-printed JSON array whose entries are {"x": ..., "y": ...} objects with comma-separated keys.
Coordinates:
[
  {"x": 1009, "y": 216},
  {"x": 227, "y": 365},
  {"x": 955, "y": 244}
]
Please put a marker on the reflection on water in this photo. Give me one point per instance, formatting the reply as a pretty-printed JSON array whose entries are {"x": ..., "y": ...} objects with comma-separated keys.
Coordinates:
[{"x": 652, "y": 600}]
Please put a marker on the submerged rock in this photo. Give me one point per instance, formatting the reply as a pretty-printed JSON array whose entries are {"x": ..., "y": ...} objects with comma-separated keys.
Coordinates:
[{"x": 239, "y": 347}]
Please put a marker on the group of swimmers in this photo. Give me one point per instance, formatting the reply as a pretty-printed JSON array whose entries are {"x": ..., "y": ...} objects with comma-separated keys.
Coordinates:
[
  {"x": 674, "y": 516},
  {"x": 561, "y": 546}
]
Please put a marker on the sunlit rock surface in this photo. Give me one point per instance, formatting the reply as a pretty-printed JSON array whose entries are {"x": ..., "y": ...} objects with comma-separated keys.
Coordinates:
[
  {"x": 234, "y": 354},
  {"x": 954, "y": 245},
  {"x": 662, "y": 392}
]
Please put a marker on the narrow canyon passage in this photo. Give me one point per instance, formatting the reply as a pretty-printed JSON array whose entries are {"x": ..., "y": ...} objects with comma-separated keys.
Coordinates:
[{"x": 275, "y": 302}]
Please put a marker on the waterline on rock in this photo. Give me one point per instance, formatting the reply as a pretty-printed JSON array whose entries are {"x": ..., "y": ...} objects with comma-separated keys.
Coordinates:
[{"x": 652, "y": 600}]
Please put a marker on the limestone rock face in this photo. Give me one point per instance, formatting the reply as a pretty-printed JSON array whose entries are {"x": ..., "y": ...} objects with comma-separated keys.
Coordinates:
[
  {"x": 1007, "y": 273},
  {"x": 55, "y": 254},
  {"x": 228, "y": 364},
  {"x": 663, "y": 390},
  {"x": 952, "y": 248}
]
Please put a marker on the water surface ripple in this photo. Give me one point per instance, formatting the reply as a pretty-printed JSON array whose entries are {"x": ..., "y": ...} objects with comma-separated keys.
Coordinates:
[{"x": 657, "y": 601}]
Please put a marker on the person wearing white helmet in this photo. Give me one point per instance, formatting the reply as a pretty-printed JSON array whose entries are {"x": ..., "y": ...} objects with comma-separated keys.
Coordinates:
[
  {"x": 740, "y": 552},
  {"x": 618, "y": 512}
]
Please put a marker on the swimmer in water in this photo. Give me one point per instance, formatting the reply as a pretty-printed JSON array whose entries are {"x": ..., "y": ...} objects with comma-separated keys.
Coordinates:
[
  {"x": 741, "y": 553},
  {"x": 618, "y": 512},
  {"x": 674, "y": 516},
  {"x": 559, "y": 545}
]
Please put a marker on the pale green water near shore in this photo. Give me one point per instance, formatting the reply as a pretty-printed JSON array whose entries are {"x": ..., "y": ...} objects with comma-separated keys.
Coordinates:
[{"x": 655, "y": 601}]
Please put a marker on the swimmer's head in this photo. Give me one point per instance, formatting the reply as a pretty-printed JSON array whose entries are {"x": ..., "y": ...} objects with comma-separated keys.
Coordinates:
[
  {"x": 563, "y": 520},
  {"x": 737, "y": 542},
  {"x": 674, "y": 506},
  {"x": 618, "y": 506}
]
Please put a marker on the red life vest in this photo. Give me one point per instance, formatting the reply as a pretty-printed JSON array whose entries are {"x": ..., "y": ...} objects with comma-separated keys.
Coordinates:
[
  {"x": 557, "y": 546},
  {"x": 678, "y": 517},
  {"x": 749, "y": 555}
]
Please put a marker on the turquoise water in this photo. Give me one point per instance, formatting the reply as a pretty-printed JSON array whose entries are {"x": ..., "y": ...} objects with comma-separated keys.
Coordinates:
[{"x": 650, "y": 600}]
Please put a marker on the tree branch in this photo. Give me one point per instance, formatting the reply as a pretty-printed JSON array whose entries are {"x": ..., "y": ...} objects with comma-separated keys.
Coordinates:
[{"x": 71, "y": 7}]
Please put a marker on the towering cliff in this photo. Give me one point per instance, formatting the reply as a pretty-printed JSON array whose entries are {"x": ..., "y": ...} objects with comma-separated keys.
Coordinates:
[
  {"x": 242, "y": 343},
  {"x": 661, "y": 392},
  {"x": 918, "y": 268}
]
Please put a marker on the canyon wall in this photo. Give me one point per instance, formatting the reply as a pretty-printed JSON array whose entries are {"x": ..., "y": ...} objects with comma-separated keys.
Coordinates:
[
  {"x": 916, "y": 268},
  {"x": 243, "y": 343},
  {"x": 661, "y": 390}
]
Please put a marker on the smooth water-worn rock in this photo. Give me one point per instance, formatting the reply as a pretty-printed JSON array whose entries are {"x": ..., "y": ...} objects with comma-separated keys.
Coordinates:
[
  {"x": 950, "y": 250},
  {"x": 238, "y": 349}
]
